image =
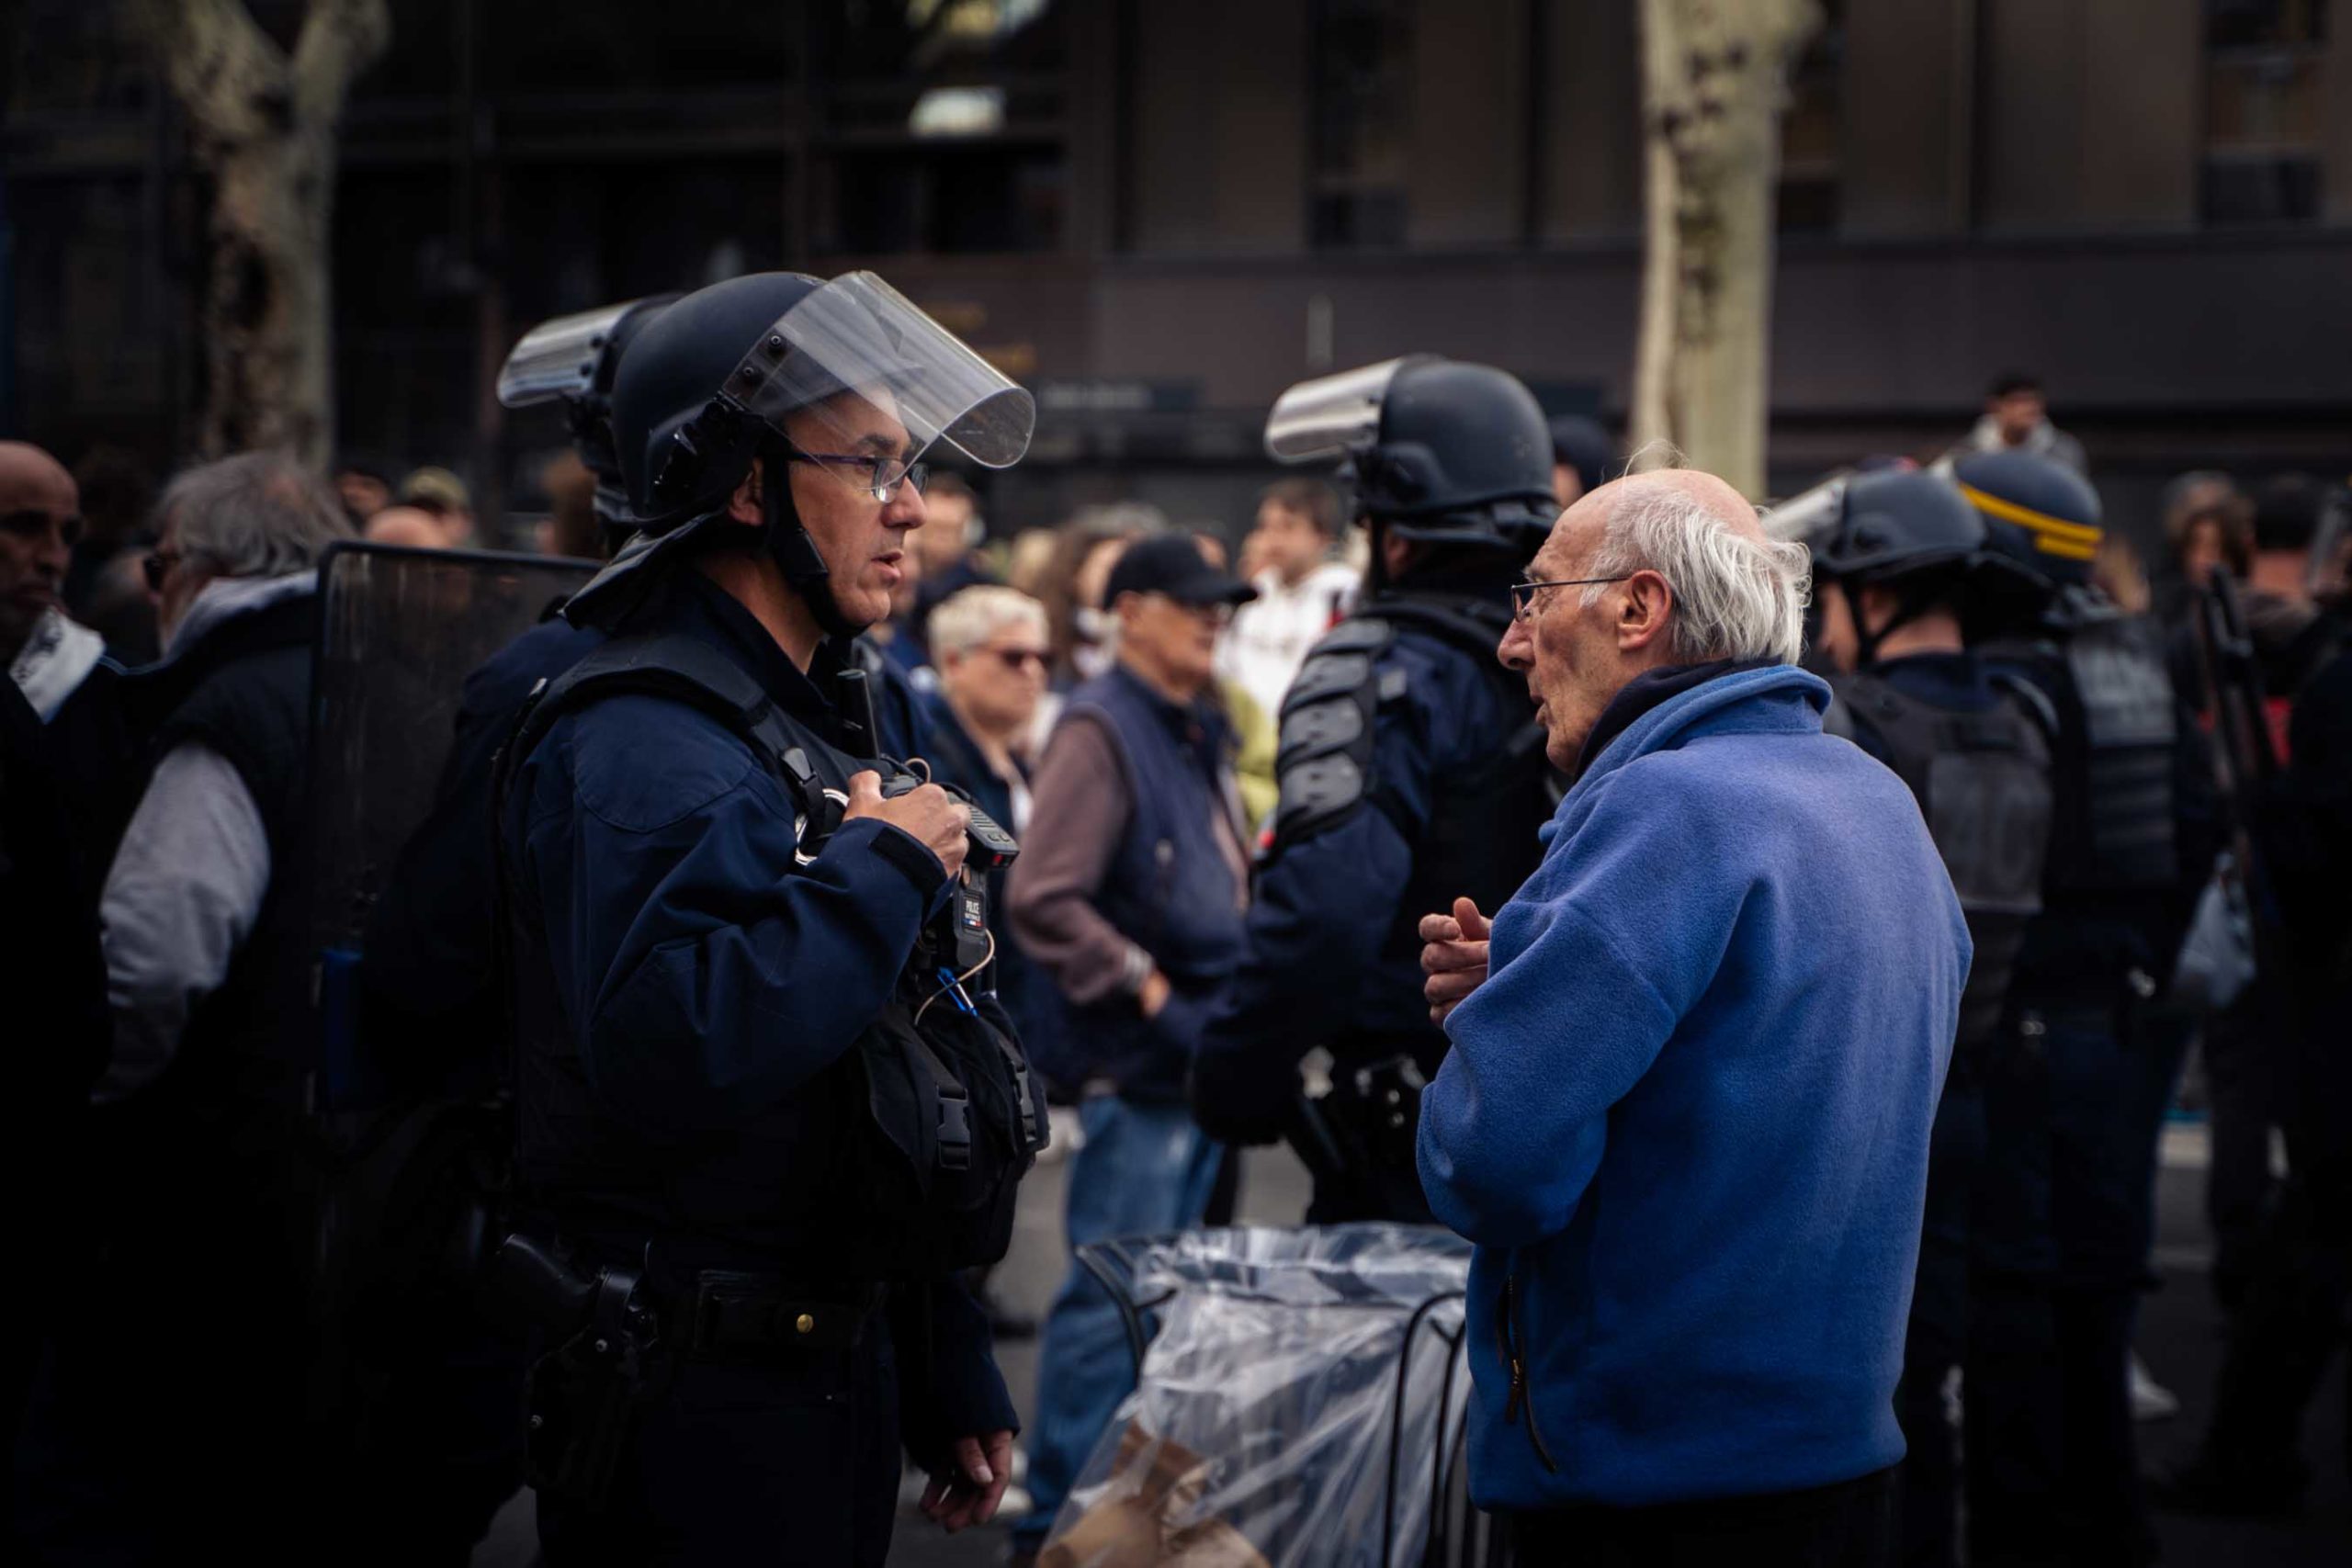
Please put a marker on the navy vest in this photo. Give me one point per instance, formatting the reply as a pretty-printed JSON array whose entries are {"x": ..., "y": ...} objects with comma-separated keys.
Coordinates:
[
  {"x": 1169, "y": 889},
  {"x": 244, "y": 692}
]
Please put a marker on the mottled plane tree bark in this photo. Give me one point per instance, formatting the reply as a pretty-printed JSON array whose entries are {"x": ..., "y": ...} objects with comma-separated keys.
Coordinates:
[
  {"x": 262, "y": 122},
  {"x": 1715, "y": 79}
]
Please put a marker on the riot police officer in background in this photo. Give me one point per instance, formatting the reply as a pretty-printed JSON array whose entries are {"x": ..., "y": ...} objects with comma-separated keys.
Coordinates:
[
  {"x": 1412, "y": 774},
  {"x": 2116, "y": 894},
  {"x": 1901, "y": 568},
  {"x": 762, "y": 1116}
]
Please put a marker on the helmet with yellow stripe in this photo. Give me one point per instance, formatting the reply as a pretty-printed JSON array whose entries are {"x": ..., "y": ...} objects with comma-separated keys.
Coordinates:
[{"x": 2042, "y": 514}]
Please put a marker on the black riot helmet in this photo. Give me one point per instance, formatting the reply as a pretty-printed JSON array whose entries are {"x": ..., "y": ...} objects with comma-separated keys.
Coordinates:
[
  {"x": 2040, "y": 515},
  {"x": 1891, "y": 526},
  {"x": 776, "y": 366},
  {"x": 576, "y": 358},
  {"x": 1436, "y": 449},
  {"x": 1916, "y": 534}
]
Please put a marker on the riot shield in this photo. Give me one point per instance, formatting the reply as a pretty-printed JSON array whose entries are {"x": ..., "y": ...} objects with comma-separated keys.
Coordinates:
[{"x": 399, "y": 631}]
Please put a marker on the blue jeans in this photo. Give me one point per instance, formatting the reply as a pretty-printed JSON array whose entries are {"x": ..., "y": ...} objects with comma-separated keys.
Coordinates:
[{"x": 1143, "y": 1169}]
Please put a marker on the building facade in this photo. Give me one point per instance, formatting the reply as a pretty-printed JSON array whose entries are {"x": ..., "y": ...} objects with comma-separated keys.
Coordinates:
[{"x": 1158, "y": 214}]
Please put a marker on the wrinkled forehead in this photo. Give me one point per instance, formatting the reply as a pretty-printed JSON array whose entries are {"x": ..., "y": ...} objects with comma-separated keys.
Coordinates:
[
  {"x": 31, "y": 482},
  {"x": 863, "y": 420},
  {"x": 1570, "y": 543}
]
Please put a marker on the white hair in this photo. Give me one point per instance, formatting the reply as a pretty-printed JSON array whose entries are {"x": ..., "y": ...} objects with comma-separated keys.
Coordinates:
[
  {"x": 255, "y": 514},
  {"x": 1734, "y": 596},
  {"x": 966, "y": 619}
]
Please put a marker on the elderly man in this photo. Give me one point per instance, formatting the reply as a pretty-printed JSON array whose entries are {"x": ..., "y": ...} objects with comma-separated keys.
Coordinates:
[{"x": 1694, "y": 1064}]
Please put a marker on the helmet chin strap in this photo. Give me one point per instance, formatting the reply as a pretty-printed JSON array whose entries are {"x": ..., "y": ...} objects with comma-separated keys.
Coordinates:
[{"x": 796, "y": 556}]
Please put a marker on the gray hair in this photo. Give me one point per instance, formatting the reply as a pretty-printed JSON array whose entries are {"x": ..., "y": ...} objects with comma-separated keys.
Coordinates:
[
  {"x": 1735, "y": 597},
  {"x": 256, "y": 514},
  {"x": 968, "y": 618}
]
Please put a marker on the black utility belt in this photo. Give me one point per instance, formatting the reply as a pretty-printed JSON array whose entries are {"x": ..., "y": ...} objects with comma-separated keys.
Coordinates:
[{"x": 729, "y": 1314}]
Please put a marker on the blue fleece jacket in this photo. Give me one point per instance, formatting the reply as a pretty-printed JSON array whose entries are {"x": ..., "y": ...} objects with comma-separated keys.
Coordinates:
[{"x": 1685, "y": 1119}]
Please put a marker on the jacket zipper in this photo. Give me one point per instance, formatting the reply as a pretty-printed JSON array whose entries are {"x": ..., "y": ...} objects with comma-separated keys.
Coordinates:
[{"x": 1520, "y": 1398}]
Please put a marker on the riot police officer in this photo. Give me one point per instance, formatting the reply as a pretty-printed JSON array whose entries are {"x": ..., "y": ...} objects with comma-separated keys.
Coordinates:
[
  {"x": 429, "y": 980},
  {"x": 1411, "y": 768},
  {"x": 2079, "y": 1159},
  {"x": 1900, "y": 567},
  {"x": 765, "y": 1106}
]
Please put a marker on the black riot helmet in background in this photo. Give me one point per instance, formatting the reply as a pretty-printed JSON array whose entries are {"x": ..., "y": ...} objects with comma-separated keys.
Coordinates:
[
  {"x": 1916, "y": 534},
  {"x": 576, "y": 358},
  {"x": 1891, "y": 526},
  {"x": 2045, "y": 518},
  {"x": 1436, "y": 449},
  {"x": 713, "y": 382},
  {"x": 2041, "y": 514}
]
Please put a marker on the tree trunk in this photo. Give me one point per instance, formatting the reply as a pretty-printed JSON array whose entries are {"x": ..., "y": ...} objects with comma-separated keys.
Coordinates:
[
  {"x": 262, "y": 127},
  {"x": 1713, "y": 78}
]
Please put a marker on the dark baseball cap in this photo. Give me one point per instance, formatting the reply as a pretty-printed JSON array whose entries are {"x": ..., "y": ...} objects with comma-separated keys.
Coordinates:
[{"x": 1173, "y": 564}]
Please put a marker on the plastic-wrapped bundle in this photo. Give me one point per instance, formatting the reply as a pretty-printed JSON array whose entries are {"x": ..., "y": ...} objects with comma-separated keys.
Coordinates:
[{"x": 1296, "y": 1405}]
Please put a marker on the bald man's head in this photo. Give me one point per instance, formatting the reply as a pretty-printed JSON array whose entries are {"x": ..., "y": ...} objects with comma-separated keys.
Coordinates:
[
  {"x": 40, "y": 519},
  {"x": 410, "y": 526},
  {"x": 1669, "y": 567},
  {"x": 1713, "y": 496},
  {"x": 25, "y": 470}
]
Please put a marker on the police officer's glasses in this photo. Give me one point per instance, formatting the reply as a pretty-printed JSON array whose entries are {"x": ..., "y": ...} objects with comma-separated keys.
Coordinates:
[
  {"x": 877, "y": 476},
  {"x": 1522, "y": 594}
]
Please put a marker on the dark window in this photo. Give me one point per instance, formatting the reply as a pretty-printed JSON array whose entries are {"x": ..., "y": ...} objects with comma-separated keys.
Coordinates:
[
  {"x": 1362, "y": 91},
  {"x": 2263, "y": 65},
  {"x": 944, "y": 127},
  {"x": 1810, "y": 129},
  {"x": 68, "y": 56}
]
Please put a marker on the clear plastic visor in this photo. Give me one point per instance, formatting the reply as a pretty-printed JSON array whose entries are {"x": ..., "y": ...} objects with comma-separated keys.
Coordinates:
[
  {"x": 1330, "y": 414},
  {"x": 856, "y": 370},
  {"x": 558, "y": 358}
]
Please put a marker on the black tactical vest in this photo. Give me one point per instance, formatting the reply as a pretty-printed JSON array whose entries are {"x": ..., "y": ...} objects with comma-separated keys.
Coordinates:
[
  {"x": 1480, "y": 839},
  {"x": 2129, "y": 740},
  {"x": 901, "y": 1161},
  {"x": 246, "y": 688},
  {"x": 1983, "y": 781}
]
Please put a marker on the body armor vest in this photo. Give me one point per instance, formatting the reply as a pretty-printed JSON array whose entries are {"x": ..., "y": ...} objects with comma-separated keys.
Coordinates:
[
  {"x": 1480, "y": 837},
  {"x": 899, "y": 1161},
  {"x": 1983, "y": 783},
  {"x": 2129, "y": 741}
]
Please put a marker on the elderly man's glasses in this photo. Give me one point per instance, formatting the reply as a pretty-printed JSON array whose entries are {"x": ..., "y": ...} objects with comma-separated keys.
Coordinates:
[
  {"x": 157, "y": 565},
  {"x": 1522, "y": 594},
  {"x": 877, "y": 476}
]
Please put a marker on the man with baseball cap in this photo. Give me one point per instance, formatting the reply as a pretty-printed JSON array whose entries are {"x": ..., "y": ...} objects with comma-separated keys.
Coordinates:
[{"x": 1134, "y": 905}]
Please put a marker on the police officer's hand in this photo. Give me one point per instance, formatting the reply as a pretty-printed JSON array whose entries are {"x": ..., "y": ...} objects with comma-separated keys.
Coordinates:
[
  {"x": 968, "y": 1491},
  {"x": 932, "y": 817},
  {"x": 1453, "y": 955}
]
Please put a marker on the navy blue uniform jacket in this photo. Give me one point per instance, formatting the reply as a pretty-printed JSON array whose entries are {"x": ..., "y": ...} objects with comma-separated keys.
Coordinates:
[
  {"x": 1328, "y": 960},
  {"x": 707, "y": 968}
]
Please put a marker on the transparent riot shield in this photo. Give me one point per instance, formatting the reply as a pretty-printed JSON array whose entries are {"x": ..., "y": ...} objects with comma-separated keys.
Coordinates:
[{"x": 399, "y": 631}]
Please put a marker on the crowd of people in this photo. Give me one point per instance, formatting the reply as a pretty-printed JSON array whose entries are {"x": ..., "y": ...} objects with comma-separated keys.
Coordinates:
[{"x": 1773, "y": 940}]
